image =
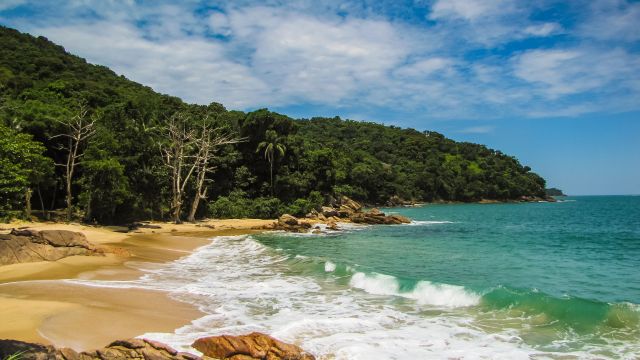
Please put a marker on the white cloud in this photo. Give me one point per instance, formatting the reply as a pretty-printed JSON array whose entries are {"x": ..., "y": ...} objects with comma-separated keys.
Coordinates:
[
  {"x": 545, "y": 29},
  {"x": 468, "y": 9},
  {"x": 425, "y": 67},
  {"x": 284, "y": 55},
  {"x": 612, "y": 20},
  {"x": 10, "y": 4},
  {"x": 195, "y": 69},
  {"x": 219, "y": 24},
  {"x": 478, "y": 130},
  {"x": 559, "y": 72}
]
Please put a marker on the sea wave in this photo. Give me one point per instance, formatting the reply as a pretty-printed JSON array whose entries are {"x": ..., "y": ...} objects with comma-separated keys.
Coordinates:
[
  {"x": 332, "y": 309},
  {"x": 424, "y": 292}
]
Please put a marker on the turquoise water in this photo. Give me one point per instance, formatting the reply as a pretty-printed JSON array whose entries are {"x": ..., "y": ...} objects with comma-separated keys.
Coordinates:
[
  {"x": 495, "y": 281},
  {"x": 564, "y": 276}
]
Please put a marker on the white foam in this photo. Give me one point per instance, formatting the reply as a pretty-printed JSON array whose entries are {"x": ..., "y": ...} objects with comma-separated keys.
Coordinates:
[
  {"x": 243, "y": 286},
  {"x": 425, "y": 292},
  {"x": 428, "y": 222},
  {"x": 329, "y": 266}
]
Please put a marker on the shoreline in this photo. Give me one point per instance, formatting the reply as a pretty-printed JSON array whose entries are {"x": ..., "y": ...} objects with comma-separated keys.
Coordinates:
[{"x": 38, "y": 305}]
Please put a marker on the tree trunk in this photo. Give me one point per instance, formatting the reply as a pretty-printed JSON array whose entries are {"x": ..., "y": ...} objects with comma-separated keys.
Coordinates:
[
  {"x": 87, "y": 214},
  {"x": 27, "y": 198},
  {"x": 69, "y": 200},
  {"x": 45, "y": 213},
  {"x": 271, "y": 175},
  {"x": 53, "y": 198},
  {"x": 177, "y": 205},
  {"x": 194, "y": 208},
  {"x": 195, "y": 204}
]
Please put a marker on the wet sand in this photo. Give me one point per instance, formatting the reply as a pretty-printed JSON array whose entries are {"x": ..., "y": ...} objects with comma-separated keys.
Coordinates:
[{"x": 37, "y": 305}]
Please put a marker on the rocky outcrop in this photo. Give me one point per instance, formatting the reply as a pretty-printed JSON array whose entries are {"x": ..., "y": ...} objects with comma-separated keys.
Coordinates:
[
  {"x": 246, "y": 347},
  {"x": 28, "y": 245},
  {"x": 346, "y": 210},
  {"x": 376, "y": 216},
  {"x": 122, "y": 349},
  {"x": 350, "y": 210},
  {"x": 253, "y": 346},
  {"x": 290, "y": 223}
]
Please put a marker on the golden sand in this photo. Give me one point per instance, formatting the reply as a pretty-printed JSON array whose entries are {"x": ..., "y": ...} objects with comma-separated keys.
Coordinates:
[{"x": 36, "y": 305}]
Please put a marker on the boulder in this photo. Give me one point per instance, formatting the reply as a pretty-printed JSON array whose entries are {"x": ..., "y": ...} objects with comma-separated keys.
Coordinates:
[
  {"x": 28, "y": 245},
  {"x": 396, "y": 219},
  {"x": 350, "y": 204},
  {"x": 332, "y": 225},
  {"x": 290, "y": 223},
  {"x": 376, "y": 216},
  {"x": 367, "y": 218},
  {"x": 328, "y": 211},
  {"x": 345, "y": 212},
  {"x": 253, "y": 346},
  {"x": 287, "y": 219},
  {"x": 121, "y": 349}
]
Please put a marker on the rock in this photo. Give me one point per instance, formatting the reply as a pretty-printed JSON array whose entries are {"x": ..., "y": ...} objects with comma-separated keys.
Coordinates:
[
  {"x": 28, "y": 245},
  {"x": 366, "y": 218},
  {"x": 345, "y": 212},
  {"x": 313, "y": 214},
  {"x": 332, "y": 225},
  {"x": 329, "y": 211},
  {"x": 351, "y": 204},
  {"x": 253, "y": 346},
  {"x": 287, "y": 219},
  {"x": 121, "y": 349},
  {"x": 290, "y": 223},
  {"x": 376, "y": 216},
  {"x": 397, "y": 219}
]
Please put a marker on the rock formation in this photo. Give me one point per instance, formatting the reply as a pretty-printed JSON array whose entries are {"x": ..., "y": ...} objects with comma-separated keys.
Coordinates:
[
  {"x": 350, "y": 210},
  {"x": 121, "y": 349},
  {"x": 28, "y": 245},
  {"x": 253, "y": 346},
  {"x": 247, "y": 347},
  {"x": 291, "y": 223}
]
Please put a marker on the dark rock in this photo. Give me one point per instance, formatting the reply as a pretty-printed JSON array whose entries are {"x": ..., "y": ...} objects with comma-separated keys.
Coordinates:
[
  {"x": 253, "y": 346},
  {"x": 121, "y": 349},
  {"x": 328, "y": 211}
]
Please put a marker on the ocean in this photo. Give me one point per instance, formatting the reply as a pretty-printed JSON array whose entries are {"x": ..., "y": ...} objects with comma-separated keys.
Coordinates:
[{"x": 465, "y": 281}]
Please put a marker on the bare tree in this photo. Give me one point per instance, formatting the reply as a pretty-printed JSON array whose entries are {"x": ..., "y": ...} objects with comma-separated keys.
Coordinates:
[
  {"x": 190, "y": 152},
  {"x": 208, "y": 141},
  {"x": 178, "y": 157},
  {"x": 80, "y": 128}
]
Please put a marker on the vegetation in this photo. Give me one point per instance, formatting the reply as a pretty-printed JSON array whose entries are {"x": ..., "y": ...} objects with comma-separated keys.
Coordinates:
[
  {"x": 142, "y": 153},
  {"x": 554, "y": 192}
]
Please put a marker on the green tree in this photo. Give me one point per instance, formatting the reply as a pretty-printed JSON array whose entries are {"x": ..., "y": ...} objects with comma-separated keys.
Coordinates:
[
  {"x": 105, "y": 187},
  {"x": 272, "y": 146},
  {"x": 22, "y": 166}
]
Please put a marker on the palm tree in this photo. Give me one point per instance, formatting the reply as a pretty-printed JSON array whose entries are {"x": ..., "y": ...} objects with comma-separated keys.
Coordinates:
[{"x": 272, "y": 147}]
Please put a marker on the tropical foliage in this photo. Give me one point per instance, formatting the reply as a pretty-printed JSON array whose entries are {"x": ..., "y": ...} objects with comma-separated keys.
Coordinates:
[{"x": 278, "y": 163}]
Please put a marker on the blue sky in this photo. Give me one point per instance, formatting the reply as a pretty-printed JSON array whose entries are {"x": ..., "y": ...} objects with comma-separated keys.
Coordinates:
[{"x": 555, "y": 83}]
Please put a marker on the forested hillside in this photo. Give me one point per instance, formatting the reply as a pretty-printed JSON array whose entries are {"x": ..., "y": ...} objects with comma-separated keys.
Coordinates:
[{"x": 140, "y": 155}]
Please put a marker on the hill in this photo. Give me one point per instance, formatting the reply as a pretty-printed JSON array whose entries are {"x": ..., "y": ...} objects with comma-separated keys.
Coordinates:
[{"x": 275, "y": 163}]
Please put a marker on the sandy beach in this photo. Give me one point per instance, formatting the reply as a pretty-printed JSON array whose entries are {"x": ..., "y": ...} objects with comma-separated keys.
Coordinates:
[{"x": 36, "y": 304}]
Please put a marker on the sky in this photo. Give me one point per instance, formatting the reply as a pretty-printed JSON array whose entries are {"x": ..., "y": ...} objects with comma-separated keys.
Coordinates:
[{"x": 554, "y": 83}]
